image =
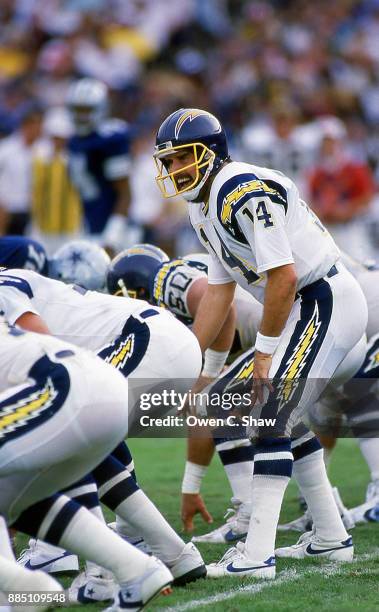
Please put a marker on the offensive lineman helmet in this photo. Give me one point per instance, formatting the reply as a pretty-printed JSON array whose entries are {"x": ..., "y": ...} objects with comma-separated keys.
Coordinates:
[
  {"x": 132, "y": 271},
  {"x": 87, "y": 101},
  {"x": 199, "y": 133},
  {"x": 23, "y": 252},
  {"x": 82, "y": 263}
]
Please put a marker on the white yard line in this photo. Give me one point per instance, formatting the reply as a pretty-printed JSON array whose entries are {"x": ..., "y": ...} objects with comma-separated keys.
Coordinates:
[{"x": 284, "y": 577}]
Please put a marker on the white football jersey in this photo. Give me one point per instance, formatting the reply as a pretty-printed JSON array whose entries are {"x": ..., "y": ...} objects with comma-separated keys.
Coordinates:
[
  {"x": 255, "y": 221},
  {"x": 85, "y": 318},
  {"x": 174, "y": 281},
  {"x": 172, "y": 284},
  {"x": 19, "y": 352}
]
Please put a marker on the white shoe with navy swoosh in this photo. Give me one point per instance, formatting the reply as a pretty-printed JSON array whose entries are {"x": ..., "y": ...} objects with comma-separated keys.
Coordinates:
[
  {"x": 49, "y": 559},
  {"x": 235, "y": 563},
  {"x": 301, "y": 524},
  {"x": 235, "y": 528},
  {"x": 369, "y": 511},
  {"x": 310, "y": 545}
]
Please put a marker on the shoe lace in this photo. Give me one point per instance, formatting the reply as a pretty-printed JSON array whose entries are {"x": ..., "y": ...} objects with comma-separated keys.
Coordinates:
[
  {"x": 230, "y": 553},
  {"x": 306, "y": 537},
  {"x": 26, "y": 552},
  {"x": 231, "y": 513}
]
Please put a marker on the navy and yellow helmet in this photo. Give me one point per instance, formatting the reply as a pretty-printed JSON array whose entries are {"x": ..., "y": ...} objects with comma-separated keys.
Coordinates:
[
  {"x": 200, "y": 133},
  {"x": 132, "y": 271}
]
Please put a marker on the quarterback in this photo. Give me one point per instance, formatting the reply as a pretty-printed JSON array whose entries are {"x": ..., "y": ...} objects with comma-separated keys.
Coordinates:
[
  {"x": 144, "y": 271},
  {"x": 262, "y": 236}
]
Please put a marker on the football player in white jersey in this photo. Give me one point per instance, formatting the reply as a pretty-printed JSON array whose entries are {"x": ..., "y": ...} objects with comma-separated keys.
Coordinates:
[
  {"x": 262, "y": 236},
  {"x": 52, "y": 398},
  {"x": 146, "y": 271},
  {"x": 132, "y": 336}
]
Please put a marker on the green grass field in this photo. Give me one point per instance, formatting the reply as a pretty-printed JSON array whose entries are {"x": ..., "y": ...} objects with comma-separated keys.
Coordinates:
[{"x": 300, "y": 586}]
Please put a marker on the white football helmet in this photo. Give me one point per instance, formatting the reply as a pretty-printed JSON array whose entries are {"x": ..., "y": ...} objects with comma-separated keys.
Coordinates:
[
  {"x": 82, "y": 263},
  {"x": 87, "y": 101}
]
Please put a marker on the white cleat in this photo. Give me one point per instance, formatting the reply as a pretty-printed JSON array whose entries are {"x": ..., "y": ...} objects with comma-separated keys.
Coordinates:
[
  {"x": 305, "y": 523},
  {"x": 366, "y": 513},
  {"x": 137, "y": 541},
  {"x": 310, "y": 546},
  {"x": 188, "y": 567},
  {"x": 301, "y": 524},
  {"x": 369, "y": 511},
  {"x": 235, "y": 563},
  {"x": 36, "y": 582},
  {"x": 136, "y": 594},
  {"x": 48, "y": 558},
  {"x": 372, "y": 492},
  {"x": 92, "y": 586},
  {"x": 235, "y": 528}
]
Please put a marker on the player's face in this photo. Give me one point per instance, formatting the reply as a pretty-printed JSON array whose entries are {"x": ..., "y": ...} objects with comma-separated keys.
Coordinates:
[
  {"x": 181, "y": 169},
  {"x": 175, "y": 162},
  {"x": 82, "y": 118}
]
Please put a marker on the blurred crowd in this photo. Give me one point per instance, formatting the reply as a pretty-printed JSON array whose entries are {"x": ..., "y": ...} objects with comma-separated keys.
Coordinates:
[{"x": 295, "y": 83}]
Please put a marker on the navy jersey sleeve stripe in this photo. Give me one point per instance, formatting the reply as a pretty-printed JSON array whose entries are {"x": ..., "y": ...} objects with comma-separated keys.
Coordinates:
[{"x": 17, "y": 282}]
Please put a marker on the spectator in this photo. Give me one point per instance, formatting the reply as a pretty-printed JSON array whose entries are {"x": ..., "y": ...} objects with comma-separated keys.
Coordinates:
[
  {"x": 15, "y": 173},
  {"x": 56, "y": 208},
  {"x": 269, "y": 69},
  {"x": 341, "y": 190},
  {"x": 282, "y": 143}
]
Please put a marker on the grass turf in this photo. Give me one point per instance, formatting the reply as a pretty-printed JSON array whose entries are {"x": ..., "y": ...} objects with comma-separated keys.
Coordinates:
[{"x": 301, "y": 585}]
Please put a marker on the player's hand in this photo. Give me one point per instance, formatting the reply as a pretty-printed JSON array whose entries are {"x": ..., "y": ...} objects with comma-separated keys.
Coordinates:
[
  {"x": 201, "y": 383},
  {"x": 261, "y": 381},
  {"x": 192, "y": 504}
]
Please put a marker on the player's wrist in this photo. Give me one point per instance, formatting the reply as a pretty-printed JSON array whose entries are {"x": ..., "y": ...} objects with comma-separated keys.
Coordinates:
[
  {"x": 214, "y": 362},
  {"x": 266, "y": 345},
  {"x": 192, "y": 478}
]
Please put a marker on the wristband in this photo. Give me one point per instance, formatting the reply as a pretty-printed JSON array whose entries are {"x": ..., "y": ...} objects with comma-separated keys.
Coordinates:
[
  {"x": 214, "y": 361},
  {"x": 193, "y": 475},
  {"x": 266, "y": 344}
]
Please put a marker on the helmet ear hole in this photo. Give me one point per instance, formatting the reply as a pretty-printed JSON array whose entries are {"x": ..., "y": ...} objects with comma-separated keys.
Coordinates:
[{"x": 142, "y": 293}]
